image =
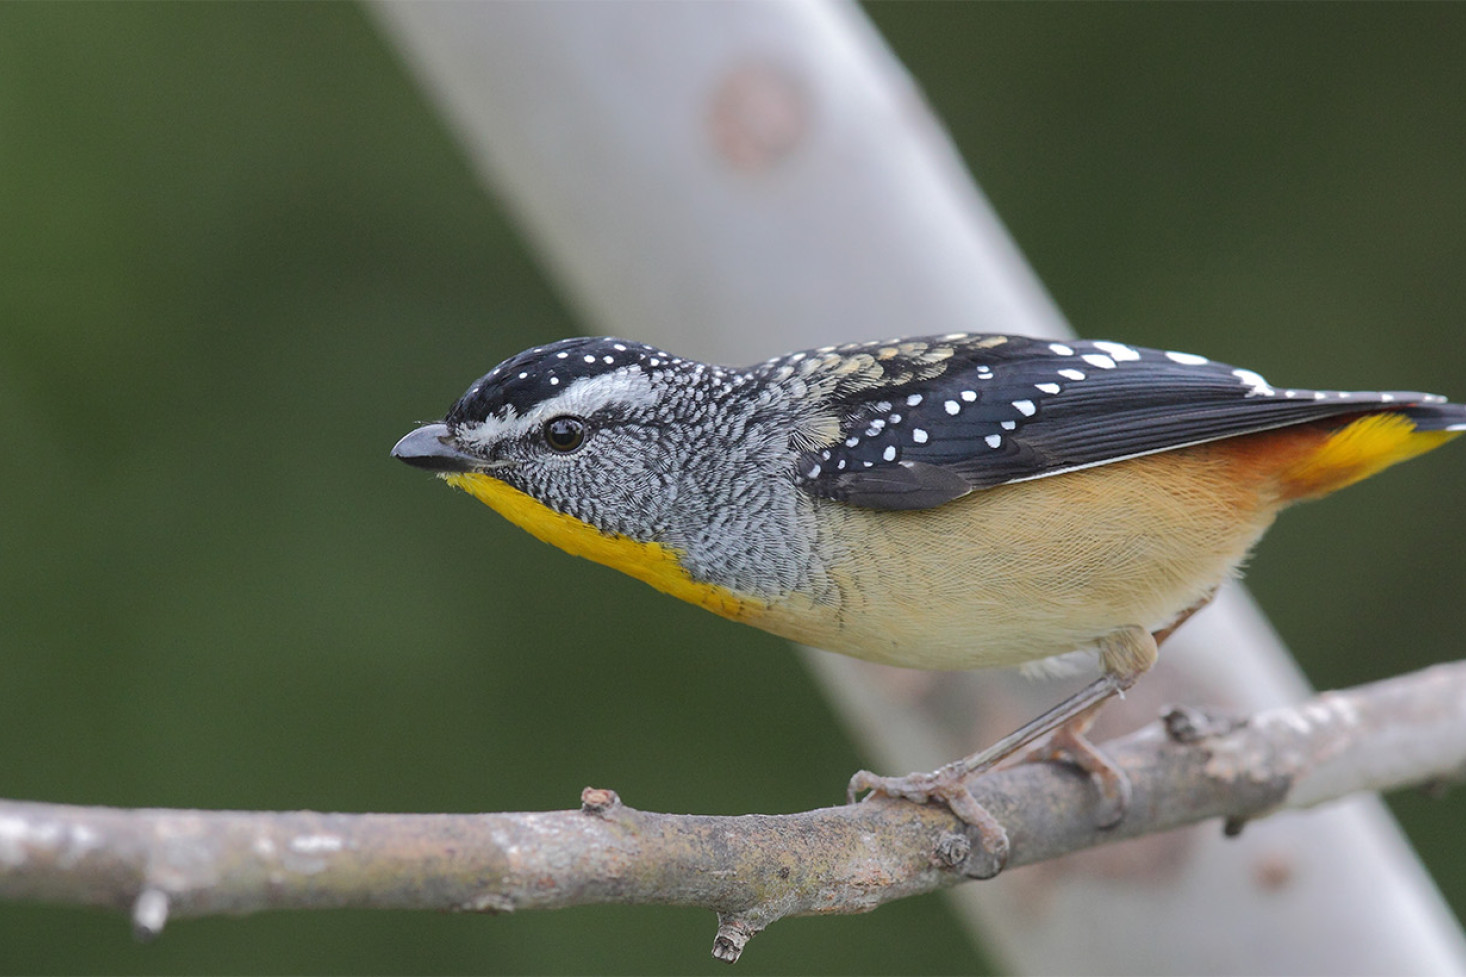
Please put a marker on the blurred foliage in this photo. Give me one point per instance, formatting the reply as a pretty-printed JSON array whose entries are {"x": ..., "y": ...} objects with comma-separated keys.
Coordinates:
[{"x": 240, "y": 256}]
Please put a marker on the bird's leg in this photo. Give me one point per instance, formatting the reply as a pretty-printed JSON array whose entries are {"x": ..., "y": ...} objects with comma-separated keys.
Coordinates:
[
  {"x": 1170, "y": 629},
  {"x": 1126, "y": 654}
]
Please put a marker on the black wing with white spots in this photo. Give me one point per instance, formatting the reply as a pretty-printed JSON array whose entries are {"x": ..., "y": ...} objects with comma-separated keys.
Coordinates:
[{"x": 928, "y": 420}]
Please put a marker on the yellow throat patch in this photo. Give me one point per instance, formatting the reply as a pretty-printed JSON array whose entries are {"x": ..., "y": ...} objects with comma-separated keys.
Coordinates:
[{"x": 650, "y": 563}]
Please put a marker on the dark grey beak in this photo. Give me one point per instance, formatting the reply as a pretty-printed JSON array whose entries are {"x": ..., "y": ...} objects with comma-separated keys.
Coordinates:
[{"x": 430, "y": 447}]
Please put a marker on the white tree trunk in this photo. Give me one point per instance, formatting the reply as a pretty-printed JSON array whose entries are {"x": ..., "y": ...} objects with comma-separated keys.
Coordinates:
[{"x": 737, "y": 180}]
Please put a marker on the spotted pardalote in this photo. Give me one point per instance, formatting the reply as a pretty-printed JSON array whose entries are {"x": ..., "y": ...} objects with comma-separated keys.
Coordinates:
[
  {"x": 948, "y": 502},
  {"x": 944, "y": 502}
]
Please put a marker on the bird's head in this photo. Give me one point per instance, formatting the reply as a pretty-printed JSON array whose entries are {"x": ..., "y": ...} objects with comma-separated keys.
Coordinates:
[{"x": 610, "y": 449}]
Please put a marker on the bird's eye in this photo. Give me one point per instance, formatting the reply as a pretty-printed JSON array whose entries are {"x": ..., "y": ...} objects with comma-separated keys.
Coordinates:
[{"x": 564, "y": 434}]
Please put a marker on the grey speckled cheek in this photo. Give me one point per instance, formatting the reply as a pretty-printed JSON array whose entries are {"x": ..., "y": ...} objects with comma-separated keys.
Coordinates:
[
  {"x": 716, "y": 486},
  {"x": 728, "y": 502}
]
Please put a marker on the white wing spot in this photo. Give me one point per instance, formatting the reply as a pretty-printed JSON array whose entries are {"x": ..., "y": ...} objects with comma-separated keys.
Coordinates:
[
  {"x": 890, "y": 453},
  {"x": 913, "y": 400},
  {"x": 969, "y": 395},
  {"x": 1025, "y": 407},
  {"x": 1259, "y": 386},
  {"x": 918, "y": 435},
  {"x": 1008, "y": 425},
  {"x": 1048, "y": 388},
  {"x": 952, "y": 406},
  {"x": 1098, "y": 359},
  {"x": 1072, "y": 374},
  {"x": 994, "y": 440},
  {"x": 1186, "y": 359},
  {"x": 1061, "y": 349},
  {"x": 1119, "y": 351},
  {"x": 852, "y": 441}
]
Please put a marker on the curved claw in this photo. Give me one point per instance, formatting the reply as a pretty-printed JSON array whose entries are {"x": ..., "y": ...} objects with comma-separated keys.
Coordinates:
[
  {"x": 1070, "y": 745},
  {"x": 918, "y": 788},
  {"x": 945, "y": 787}
]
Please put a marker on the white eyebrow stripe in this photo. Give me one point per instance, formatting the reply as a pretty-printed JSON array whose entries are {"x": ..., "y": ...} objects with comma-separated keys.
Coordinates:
[{"x": 629, "y": 386}]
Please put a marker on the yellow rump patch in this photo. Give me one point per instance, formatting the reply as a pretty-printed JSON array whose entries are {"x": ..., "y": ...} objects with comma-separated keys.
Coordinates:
[
  {"x": 650, "y": 563},
  {"x": 1359, "y": 450}
]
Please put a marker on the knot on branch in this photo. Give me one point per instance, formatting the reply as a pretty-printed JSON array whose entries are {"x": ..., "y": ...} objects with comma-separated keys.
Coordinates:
[
  {"x": 734, "y": 932},
  {"x": 149, "y": 914},
  {"x": 598, "y": 801},
  {"x": 1186, "y": 724}
]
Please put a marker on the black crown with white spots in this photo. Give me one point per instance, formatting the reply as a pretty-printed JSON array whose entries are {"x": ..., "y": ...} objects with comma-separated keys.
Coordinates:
[
  {"x": 536, "y": 375},
  {"x": 927, "y": 420}
]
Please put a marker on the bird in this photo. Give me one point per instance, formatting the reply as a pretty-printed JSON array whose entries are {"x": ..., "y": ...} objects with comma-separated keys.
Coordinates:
[{"x": 960, "y": 501}]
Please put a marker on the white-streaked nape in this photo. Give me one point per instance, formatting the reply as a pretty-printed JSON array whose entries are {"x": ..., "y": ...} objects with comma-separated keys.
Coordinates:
[{"x": 629, "y": 386}]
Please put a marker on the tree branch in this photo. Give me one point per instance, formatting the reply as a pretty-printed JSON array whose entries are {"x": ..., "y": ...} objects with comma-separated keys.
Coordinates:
[
  {"x": 768, "y": 177},
  {"x": 752, "y": 869}
]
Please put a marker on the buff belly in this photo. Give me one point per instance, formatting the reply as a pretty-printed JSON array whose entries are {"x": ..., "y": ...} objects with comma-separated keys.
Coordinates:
[
  {"x": 1020, "y": 572},
  {"x": 1026, "y": 571}
]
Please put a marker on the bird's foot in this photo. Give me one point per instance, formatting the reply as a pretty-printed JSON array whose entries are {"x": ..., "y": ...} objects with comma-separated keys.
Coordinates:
[
  {"x": 1068, "y": 744},
  {"x": 945, "y": 786}
]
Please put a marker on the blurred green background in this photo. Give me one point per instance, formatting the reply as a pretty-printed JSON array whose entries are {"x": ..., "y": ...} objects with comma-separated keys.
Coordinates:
[{"x": 239, "y": 256}]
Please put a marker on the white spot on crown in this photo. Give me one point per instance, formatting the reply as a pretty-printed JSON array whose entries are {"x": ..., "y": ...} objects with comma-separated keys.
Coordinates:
[{"x": 629, "y": 386}]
